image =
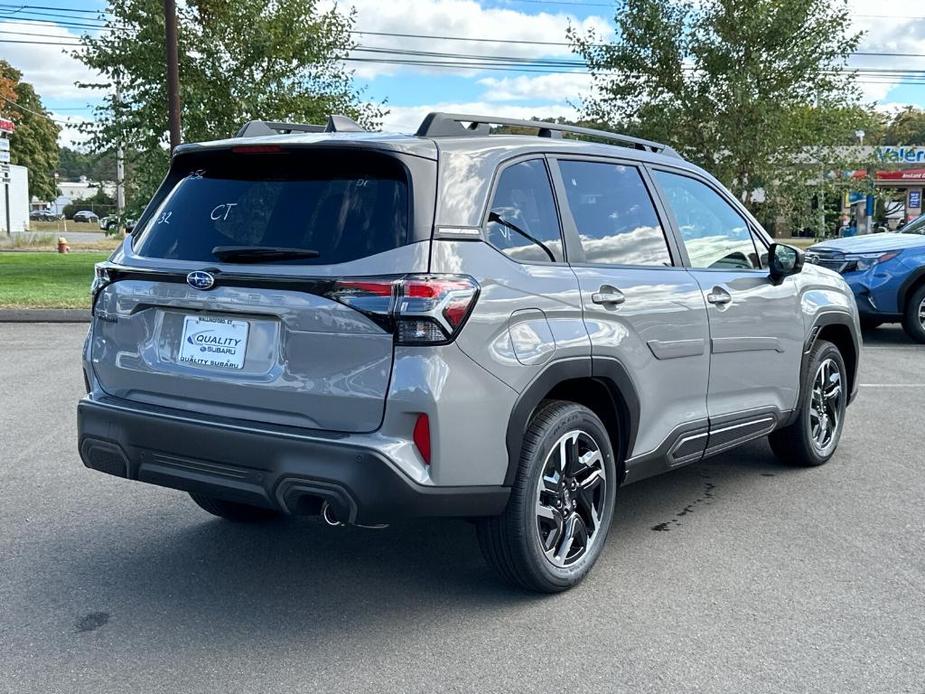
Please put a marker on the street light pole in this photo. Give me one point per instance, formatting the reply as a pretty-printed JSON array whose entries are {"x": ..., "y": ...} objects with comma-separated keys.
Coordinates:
[
  {"x": 173, "y": 71},
  {"x": 120, "y": 160}
]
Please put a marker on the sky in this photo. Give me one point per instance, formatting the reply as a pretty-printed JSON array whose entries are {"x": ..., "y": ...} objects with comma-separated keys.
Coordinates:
[{"x": 410, "y": 92}]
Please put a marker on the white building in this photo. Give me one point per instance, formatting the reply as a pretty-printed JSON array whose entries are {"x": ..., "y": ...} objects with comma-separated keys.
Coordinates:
[
  {"x": 74, "y": 191},
  {"x": 14, "y": 200}
]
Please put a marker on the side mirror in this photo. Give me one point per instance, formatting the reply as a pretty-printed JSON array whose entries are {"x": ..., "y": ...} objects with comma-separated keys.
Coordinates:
[{"x": 783, "y": 261}]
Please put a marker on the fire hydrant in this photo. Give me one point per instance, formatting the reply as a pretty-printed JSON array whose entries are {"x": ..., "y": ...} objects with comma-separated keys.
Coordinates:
[{"x": 62, "y": 245}]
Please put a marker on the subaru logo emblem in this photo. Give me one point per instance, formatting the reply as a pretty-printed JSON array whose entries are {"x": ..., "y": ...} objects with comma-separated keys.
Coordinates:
[{"x": 200, "y": 279}]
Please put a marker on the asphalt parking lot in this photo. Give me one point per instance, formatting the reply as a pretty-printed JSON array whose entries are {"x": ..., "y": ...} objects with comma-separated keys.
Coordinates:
[{"x": 734, "y": 575}]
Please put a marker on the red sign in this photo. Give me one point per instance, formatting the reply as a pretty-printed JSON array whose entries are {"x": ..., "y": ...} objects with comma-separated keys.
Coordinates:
[
  {"x": 906, "y": 175},
  {"x": 6, "y": 125}
]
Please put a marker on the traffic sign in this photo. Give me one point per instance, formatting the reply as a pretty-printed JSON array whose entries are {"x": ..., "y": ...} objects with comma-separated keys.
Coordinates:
[
  {"x": 6, "y": 125},
  {"x": 4, "y": 145},
  {"x": 4, "y": 157}
]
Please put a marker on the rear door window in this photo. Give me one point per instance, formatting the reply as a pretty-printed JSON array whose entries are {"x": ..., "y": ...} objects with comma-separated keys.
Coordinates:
[
  {"x": 614, "y": 214},
  {"x": 523, "y": 223},
  {"x": 343, "y": 205}
]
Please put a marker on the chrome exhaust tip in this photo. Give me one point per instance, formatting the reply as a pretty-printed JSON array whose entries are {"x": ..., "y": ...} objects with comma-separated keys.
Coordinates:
[{"x": 328, "y": 515}]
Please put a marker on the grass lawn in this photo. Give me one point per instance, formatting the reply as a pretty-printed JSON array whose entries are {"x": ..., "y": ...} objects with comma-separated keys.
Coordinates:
[
  {"x": 58, "y": 227},
  {"x": 46, "y": 280}
]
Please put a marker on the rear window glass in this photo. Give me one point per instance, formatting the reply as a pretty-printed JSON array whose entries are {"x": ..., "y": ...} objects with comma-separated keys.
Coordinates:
[{"x": 344, "y": 205}]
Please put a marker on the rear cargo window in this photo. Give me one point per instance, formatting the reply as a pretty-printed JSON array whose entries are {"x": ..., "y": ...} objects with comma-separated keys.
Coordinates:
[{"x": 344, "y": 205}]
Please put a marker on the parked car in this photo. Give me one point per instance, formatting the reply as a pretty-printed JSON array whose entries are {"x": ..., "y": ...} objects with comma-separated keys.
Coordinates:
[
  {"x": 456, "y": 323},
  {"x": 43, "y": 215},
  {"x": 85, "y": 216},
  {"x": 886, "y": 272},
  {"x": 916, "y": 226},
  {"x": 112, "y": 223}
]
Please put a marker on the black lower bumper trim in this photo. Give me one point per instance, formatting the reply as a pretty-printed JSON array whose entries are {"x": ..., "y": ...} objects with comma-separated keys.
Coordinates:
[{"x": 261, "y": 468}]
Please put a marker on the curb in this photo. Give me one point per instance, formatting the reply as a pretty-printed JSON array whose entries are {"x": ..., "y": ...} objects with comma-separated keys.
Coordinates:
[{"x": 44, "y": 315}]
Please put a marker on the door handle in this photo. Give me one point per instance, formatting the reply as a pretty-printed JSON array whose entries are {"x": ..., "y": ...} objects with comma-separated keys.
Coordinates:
[
  {"x": 719, "y": 297},
  {"x": 608, "y": 296}
]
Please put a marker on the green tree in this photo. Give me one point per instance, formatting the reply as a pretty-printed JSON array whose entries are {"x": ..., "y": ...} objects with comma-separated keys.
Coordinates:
[
  {"x": 755, "y": 91},
  {"x": 239, "y": 61},
  {"x": 96, "y": 166},
  {"x": 72, "y": 164},
  {"x": 905, "y": 127},
  {"x": 34, "y": 144}
]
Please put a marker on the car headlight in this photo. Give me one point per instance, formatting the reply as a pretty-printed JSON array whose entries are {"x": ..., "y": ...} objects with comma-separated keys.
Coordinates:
[{"x": 865, "y": 261}]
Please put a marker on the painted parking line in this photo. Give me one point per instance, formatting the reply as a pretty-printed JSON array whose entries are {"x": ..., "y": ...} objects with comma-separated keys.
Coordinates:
[{"x": 892, "y": 348}]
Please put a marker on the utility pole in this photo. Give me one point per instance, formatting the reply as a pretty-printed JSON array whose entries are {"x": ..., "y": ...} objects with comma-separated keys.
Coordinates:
[
  {"x": 173, "y": 71},
  {"x": 6, "y": 129},
  {"x": 120, "y": 160}
]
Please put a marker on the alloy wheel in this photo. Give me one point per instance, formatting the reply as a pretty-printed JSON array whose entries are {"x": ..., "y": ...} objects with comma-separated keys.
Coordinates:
[
  {"x": 570, "y": 498},
  {"x": 922, "y": 313},
  {"x": 826, "y": 407}
]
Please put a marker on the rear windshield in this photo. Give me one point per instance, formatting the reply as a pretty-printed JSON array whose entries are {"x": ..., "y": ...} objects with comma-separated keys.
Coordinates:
[{"x": 344, "y": 205}]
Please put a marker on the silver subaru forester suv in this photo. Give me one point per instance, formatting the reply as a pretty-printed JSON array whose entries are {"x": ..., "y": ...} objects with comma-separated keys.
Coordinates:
[{"x": 318, "y": 320}]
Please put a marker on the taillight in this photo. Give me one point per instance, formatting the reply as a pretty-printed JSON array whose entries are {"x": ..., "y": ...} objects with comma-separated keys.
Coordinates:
[
  {"x": 374, "y": 297},
  {"x": 432, "y": 308},
  {"x": 100, "y": 279},
  {"x": 418, "y": 309},
  {"x": 421, "y": 437}
]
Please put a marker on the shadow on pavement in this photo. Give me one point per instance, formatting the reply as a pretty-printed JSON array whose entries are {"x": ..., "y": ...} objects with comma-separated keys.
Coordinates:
[
  {"x": 300, "y": 576},
  {"x": 888, "y": 335}
]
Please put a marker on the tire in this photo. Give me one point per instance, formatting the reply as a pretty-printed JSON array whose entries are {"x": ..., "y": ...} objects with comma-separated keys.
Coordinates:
[
  {"x": 914, "y": 315},
  {"x": 804, "y": 443},
  {"x": 514, "y": 542},
  {"x": 230, "y": 510}
]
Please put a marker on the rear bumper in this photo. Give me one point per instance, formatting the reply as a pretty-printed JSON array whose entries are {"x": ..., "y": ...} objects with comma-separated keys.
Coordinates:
[{"x": 278, "y": 469}]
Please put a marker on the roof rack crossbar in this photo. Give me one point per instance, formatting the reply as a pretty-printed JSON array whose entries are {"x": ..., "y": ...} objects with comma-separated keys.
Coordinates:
[
  {"x": 335, "y": 124},
  {"x": 451, "y": 125}
]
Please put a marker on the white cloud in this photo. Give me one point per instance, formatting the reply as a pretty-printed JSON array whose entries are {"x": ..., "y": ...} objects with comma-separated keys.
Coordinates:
[
  {"x": 52, "y": 70},
  {"x": 462, "y": 18},
  {"x": 902, "y": 30},
  {"x": 70, "y": 135},
  {"x": 408, "y": 118},
  {"x": 560, "y": 87}
]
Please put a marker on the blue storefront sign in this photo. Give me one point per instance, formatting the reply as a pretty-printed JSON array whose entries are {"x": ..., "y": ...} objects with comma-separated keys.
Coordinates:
[
  {"x": 901, "y": 154},
  {"x": 915, "y": 199}
]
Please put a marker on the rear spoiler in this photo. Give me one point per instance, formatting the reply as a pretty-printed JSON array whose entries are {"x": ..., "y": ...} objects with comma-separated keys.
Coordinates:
[{"x": 335, "y": 124}]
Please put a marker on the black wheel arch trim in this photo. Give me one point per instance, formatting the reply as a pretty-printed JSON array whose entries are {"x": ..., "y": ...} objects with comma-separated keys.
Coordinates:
[
  {"x": 907, "y": 287},
  {"x": 609, "y": 371},
  {"x": 822, "y": 320}
]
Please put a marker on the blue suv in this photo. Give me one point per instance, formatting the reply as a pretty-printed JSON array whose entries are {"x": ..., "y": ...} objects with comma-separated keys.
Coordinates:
[{"x": 886, "y": 273}]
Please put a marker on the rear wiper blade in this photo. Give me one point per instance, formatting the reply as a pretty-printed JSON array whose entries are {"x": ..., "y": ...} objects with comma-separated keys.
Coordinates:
[
  {"x": 498, "y": 219},
  {"x": 261, "y": 254}
]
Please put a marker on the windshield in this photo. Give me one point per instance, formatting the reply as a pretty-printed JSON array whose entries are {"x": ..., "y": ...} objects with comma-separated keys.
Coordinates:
[{"x": 343, "y": 206}]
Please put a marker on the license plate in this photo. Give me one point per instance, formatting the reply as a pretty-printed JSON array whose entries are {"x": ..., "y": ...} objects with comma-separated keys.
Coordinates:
[{"x": 213, "y": 341}]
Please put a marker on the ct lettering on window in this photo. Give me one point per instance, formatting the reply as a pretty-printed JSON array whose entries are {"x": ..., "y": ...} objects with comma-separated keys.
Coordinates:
[{"x": 222, "y": 211}]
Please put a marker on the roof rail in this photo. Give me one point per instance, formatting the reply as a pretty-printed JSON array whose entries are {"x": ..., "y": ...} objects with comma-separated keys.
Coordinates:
[
  {"x": 451, "y": 125},
  {"x": 335, "y": 124}
]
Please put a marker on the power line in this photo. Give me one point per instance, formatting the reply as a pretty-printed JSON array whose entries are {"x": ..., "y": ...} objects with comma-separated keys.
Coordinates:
[
  {"x": 58, "y": 22},
  {"x": 460, "y": 38},
  {"x": 562, "y": 2},
  {"x": 42, "y": 43},
  {"x": 76, "y": 41},
  {"x": 20, "y": 107},
  {"x": 48, "y": 7},
  {"x": 432, "y": 37}
]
